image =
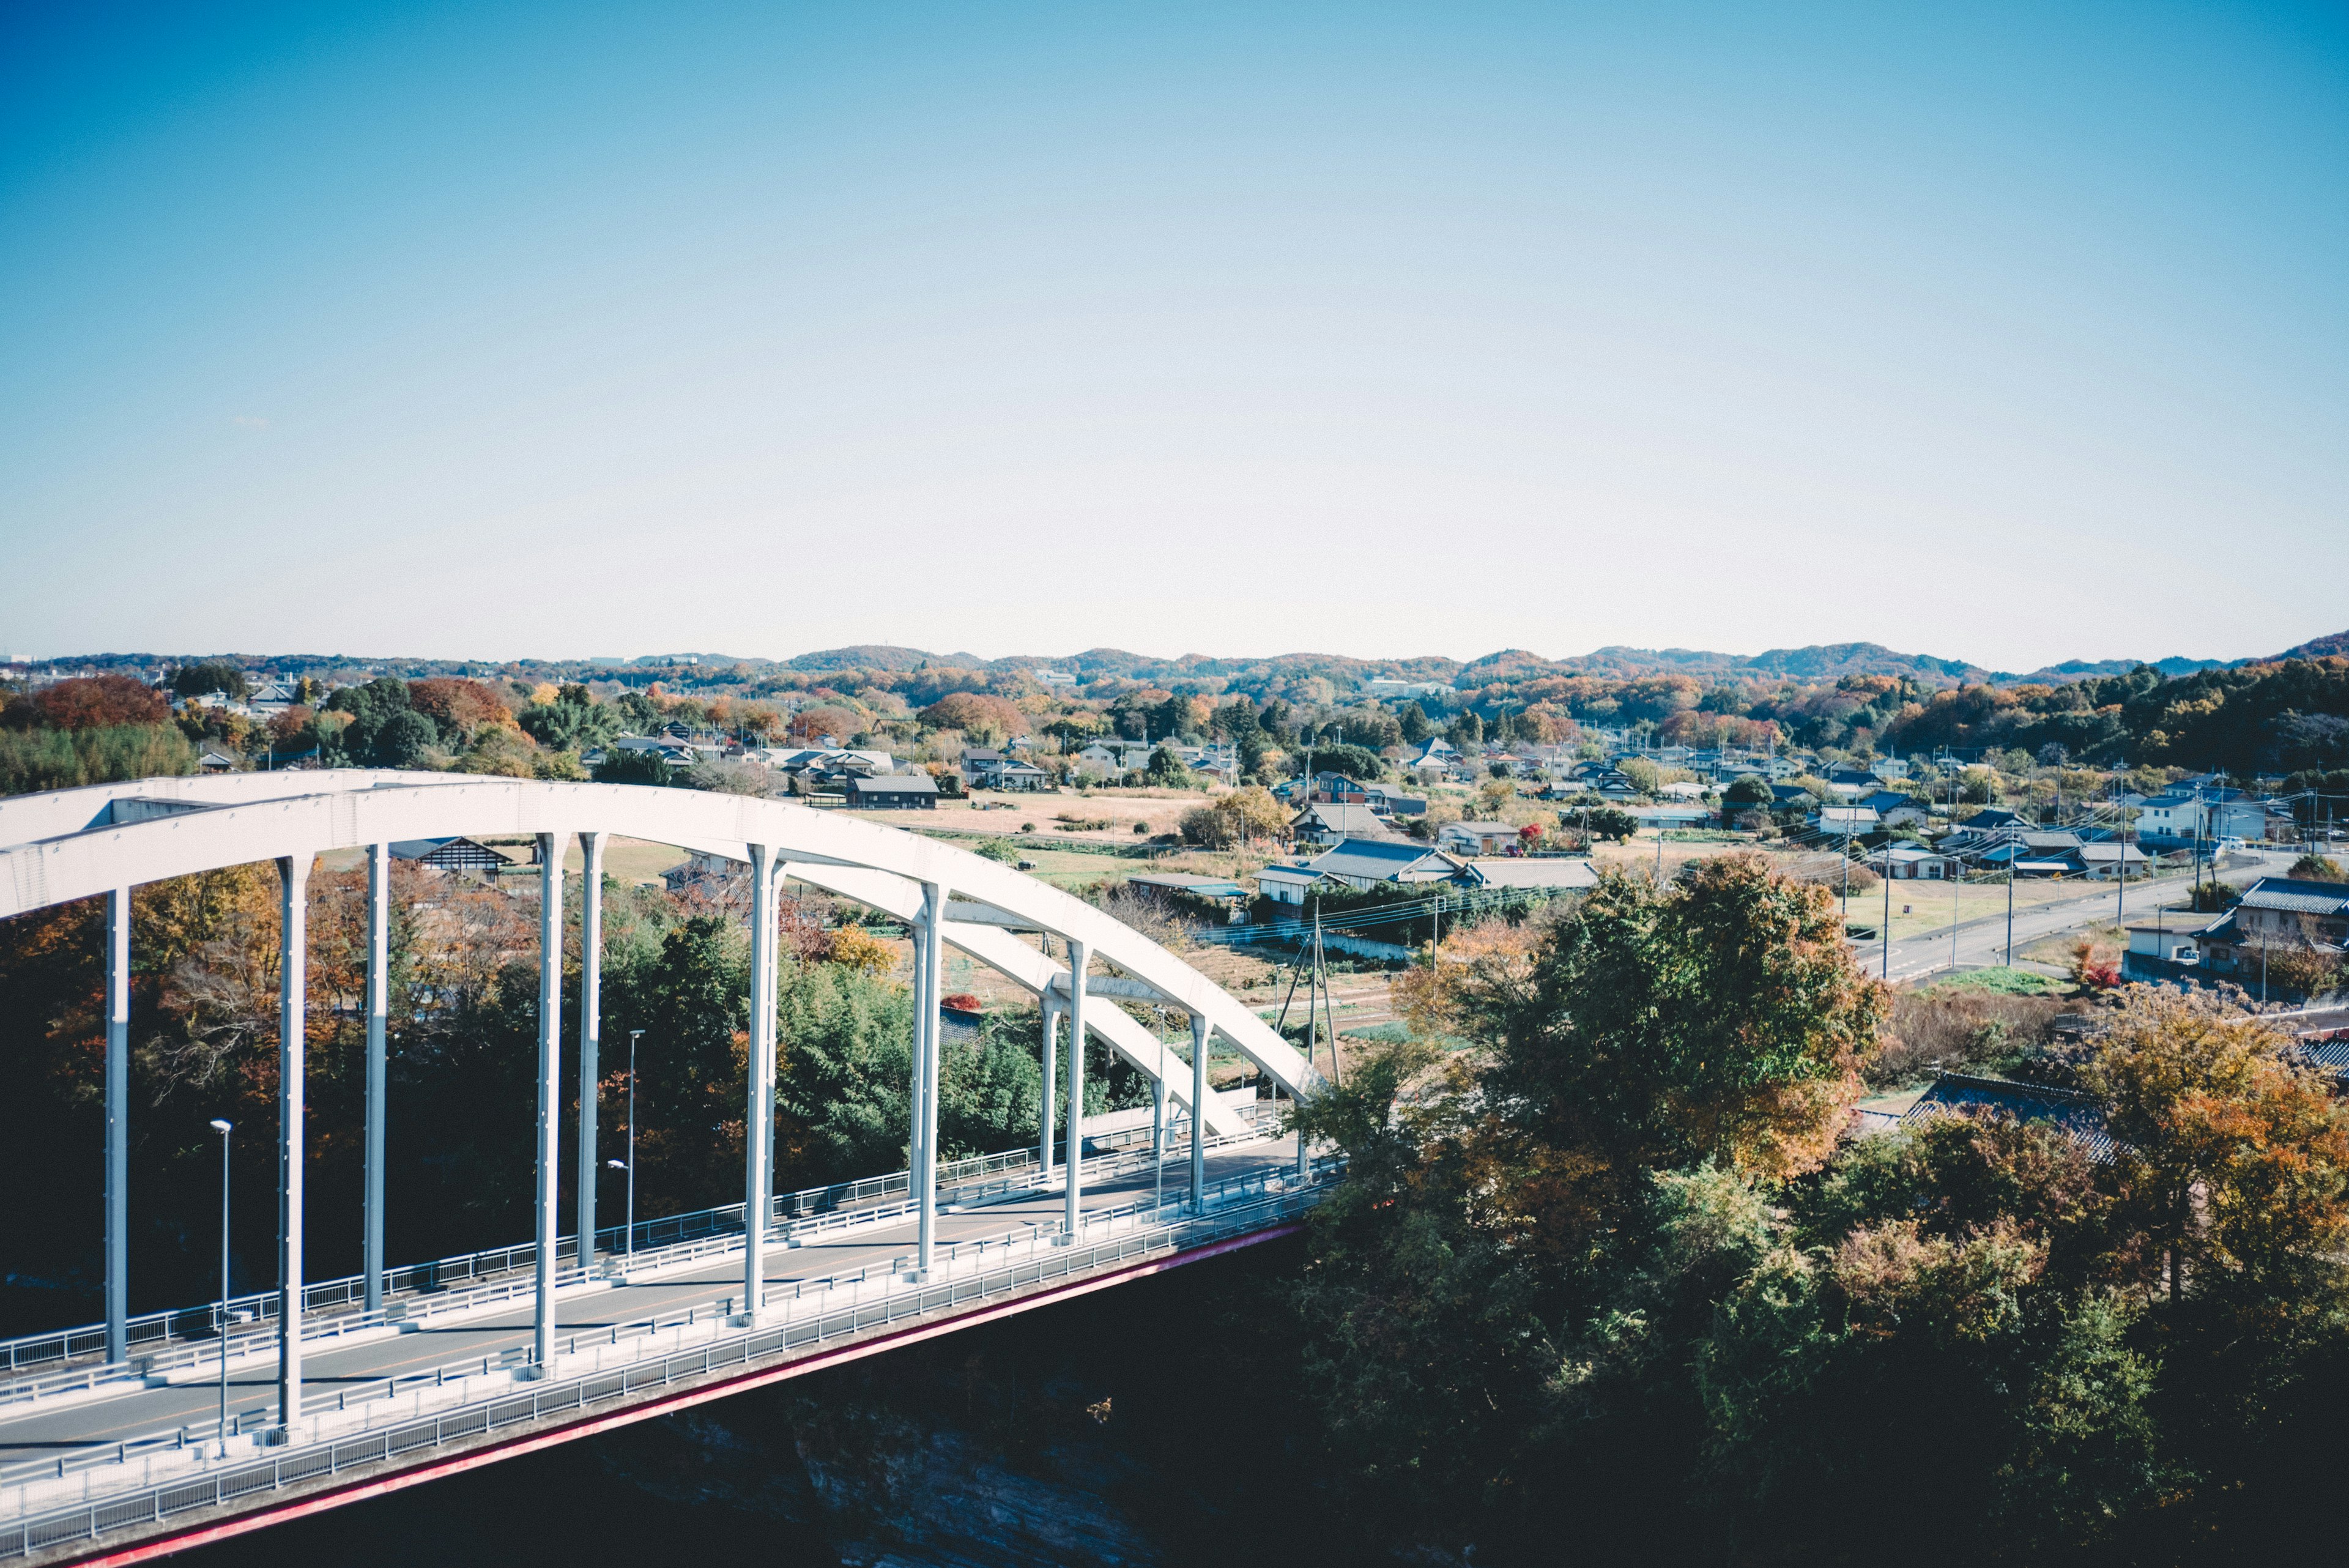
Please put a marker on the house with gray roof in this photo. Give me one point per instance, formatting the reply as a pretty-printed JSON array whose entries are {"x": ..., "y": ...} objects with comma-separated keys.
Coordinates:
[
  {"x": 2073, "y": 1113},
  {"x": 1323, "y": 823},
  {"x": 1386, "y": 862}
]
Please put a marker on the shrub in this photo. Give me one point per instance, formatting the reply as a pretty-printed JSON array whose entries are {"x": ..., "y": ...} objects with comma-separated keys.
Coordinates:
[{"x": 32, "y": 761}]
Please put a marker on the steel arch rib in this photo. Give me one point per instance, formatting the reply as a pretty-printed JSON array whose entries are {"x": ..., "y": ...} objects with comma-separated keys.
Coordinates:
[{"x": 60, "y": 853}]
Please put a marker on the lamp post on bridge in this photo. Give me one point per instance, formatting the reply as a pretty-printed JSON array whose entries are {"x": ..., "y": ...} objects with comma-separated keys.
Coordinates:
[{"x": 634, "y": 1035}]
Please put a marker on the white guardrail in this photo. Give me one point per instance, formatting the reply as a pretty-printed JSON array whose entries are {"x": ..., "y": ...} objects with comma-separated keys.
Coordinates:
[
  {"x": 1032, "y": 1255},
  {"x": 251, "y": 1318},
  {"x": 160, "y": 1365}
]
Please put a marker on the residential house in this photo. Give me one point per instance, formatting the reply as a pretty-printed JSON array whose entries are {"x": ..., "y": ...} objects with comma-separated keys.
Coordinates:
[
  {"x": 1844, "y": 821},
  {"x": 1906, "y": 863},
  {"x": 1388, "y": 801},
  {"x": 985, "y": 769},
  {"x": 2170, "y": 940},
  {"x": 213, "y": 762},
  {"x": 2104, "y": 861},
  {"x": 1613, "y": 785},
  {"x": 695, "y": 869},
  {"x": 1888, "y": 768},
  {"x": 1555, "y": 874},
  {"x": 1382, "y": 862},
  {"x": 676, "y": 754},
  {"x": 1287, "y": 883},
  {"x": 1852, "y": 783},
  {"x": 1895, "y": 809},
  {"x": 1323, "y": 823},
  {"x": 2073, "y": 1112},
  {"x": 1336, "y": 789},
  {"x": 1477, "y": 837},
  {"x": 1438, "y": 757},
  {"x": 2279, "y": 912},
  {"x": 266, "y": 699},
  {"x": 896, "y": 792},
  {"x": 2178, "y": 816},
  {"x": 1676, "y": 814},
  {"x": 449, "y": 854},
  {"x": 1117, "y": 756},
  {"x": 1791, "y": 797}
]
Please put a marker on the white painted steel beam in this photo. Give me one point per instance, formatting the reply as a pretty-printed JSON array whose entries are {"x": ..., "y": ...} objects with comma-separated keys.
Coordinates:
[
  {"x": 379, "y": 1014},
  {"x": 759, "y": 1116},
  {"x": 293, "y": 964},
  {"x": 1079, "y": 956},
  {"x": 86, "y": 863},
  {"x": 551, "y": 846},
  {"x": 118, "y": 1123},
  {"x": 591, "y": 1038}
]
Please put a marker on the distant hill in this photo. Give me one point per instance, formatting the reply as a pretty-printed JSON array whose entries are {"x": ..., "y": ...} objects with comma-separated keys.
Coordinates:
[
  {"x": 2318, "y": 647},
  {"x": 1829, "y": 661},
  {"x": 2086, "y": 669},
  {"x": 880, "y": 656}
]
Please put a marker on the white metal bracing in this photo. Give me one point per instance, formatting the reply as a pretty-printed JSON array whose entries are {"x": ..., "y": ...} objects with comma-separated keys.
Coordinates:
[{"x": 65, "y": 845}]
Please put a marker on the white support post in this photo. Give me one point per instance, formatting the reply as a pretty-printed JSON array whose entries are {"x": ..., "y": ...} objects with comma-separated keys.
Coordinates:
[
  {"x": 759, "y": 1114},
  {"x": 1079, "y": 956},
  {"x": 591, "y": 1038},
  {"x": 293, "y": 956},
  {"x": 929, "y": 943},
  {"x": 379, "y": 1006},
  {"x": 551, "y": 846},
  {"x": 1199, "y": 1033},
  {"x": 118, "y": 1124},
  {"x": 1051, "y": 1086}
]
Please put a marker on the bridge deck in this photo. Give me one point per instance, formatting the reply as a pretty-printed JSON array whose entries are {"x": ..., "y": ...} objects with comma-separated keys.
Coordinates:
[{"x": 82, "y": 1431}]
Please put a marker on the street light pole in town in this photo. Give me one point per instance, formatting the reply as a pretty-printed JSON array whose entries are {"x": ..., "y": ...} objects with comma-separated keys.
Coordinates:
[{"x": 224, "y": 1128}]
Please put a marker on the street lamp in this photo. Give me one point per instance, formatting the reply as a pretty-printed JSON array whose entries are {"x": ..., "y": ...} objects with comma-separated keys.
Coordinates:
[
  {"x": 634, "y": 1035},
  {"x": 222, "y": 1128}
]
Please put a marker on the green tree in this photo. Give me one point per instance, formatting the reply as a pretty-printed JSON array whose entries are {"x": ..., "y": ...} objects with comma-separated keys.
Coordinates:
[
  {"x": 210, "y": 676},
  {"x": 1608, "y": 822}
]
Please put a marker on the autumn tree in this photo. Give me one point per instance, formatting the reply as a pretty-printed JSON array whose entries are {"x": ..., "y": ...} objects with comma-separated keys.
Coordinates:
[
  {"x": 88, "y": 702},
  {"x": 980, "y": 717}
]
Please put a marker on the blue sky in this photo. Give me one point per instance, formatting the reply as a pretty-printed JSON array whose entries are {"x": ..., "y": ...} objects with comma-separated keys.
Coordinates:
[{"x": 2009, "y": 333}]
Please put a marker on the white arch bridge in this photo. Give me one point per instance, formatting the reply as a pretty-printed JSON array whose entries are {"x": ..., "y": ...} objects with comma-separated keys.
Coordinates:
[{"x": 140, "y": 1435}]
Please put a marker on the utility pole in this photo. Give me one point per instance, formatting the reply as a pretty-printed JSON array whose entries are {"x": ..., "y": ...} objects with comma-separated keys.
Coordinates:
[
  {"x": 1888, "y": 909},
  {"x": 2014, "y": 853}
]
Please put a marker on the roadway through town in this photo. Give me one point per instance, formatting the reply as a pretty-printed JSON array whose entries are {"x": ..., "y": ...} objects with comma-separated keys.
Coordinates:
[
  {"x": 49, "y": 1429},
  {"x": 1984, "y": 940}
]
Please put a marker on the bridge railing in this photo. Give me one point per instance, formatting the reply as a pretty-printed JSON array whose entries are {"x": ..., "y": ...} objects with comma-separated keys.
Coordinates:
[
  {"x": 155, "y": 1329},
  {"x": 1216, "y": 1195},
  {"x": 193, "y": 1338},
  {"x": 225, "y": 1483}
]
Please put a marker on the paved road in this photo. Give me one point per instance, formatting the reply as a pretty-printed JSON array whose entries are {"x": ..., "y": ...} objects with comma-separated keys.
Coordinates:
[
  {"x": 33, "y": 1432},
  {"x": 1983, "y": 942}
]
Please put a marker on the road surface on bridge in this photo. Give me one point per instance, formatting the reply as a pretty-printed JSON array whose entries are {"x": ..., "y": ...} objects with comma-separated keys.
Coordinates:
[{"x": 47, "y": 1429}]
